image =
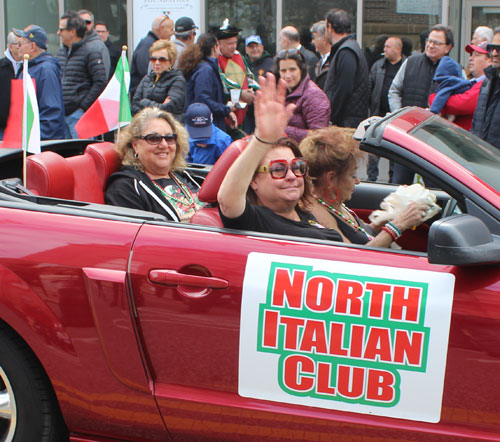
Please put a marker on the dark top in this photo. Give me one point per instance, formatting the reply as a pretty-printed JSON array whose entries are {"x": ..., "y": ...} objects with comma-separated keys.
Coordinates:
[
  {"x": 6, "y": 75},
  {"x": 311, "y": 59},
  {"x": 261, "y": 66},
  {"x": 140, "y": 61},
  {"x": 390, "y": 72},
  {"x": 354, "y": 235},
  {"x": 152, "y": 92},
  {"x": 115, "y": 52},
  {"x": 417, "y": 80},
  {"x": 486, "y": 121},
  {"x": 132, "y": 188},
  {"x": 263, "y": 219}
]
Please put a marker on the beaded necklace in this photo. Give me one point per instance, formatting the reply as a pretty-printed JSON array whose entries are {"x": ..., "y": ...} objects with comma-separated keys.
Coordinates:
[
  {"x": 353, "y": 224},
  {"x": 189, "y": 198}
]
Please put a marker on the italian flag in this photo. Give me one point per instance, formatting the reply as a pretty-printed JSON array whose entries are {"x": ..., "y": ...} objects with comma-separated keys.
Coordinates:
[
  {"x": 31, "y": 118},
  {"x": 112, "y": 109}
]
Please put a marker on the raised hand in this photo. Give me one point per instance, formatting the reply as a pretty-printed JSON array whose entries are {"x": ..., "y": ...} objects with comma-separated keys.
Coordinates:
[{"x": 271, "y": 114}]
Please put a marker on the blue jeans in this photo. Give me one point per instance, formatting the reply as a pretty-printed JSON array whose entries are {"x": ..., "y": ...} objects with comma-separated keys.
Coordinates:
[{"x": 70, "y": 122}]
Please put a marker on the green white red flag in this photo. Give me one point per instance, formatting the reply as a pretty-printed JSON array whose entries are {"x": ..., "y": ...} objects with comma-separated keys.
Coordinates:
[
  {"x": 112, "y": 109},
  {"x": 31, "y": 117}
]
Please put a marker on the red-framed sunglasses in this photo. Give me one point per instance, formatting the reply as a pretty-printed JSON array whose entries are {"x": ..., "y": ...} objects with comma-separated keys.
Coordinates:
[{"x": 279, "y": 168}]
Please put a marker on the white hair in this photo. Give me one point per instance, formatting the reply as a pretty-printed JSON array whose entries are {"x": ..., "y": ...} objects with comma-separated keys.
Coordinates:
[{"x": 484, "y": 33}]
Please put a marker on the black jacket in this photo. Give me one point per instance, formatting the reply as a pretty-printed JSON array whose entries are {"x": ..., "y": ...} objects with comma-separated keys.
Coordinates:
[
  {"x": 376, "y": 82},
  {"x": 6, "y": 75},
  {"x": 417, "y": 82},
  {"x": 132, "y": 188},
  {"x": 346, "y": 83},
  {"x": 486, "y": 120},
  {"x": 115, "y": 52},
  {"x": 262, "y": 65},
  {"x": 140, "y": 61},
  {"x": 151, "y": 93},
  {"x": 311, "y": 60},
  {"x": 84, "y": 75}
]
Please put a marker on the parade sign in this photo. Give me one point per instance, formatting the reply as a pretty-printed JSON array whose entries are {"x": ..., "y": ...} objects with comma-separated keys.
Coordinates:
[{"x": 344, "y": 336}]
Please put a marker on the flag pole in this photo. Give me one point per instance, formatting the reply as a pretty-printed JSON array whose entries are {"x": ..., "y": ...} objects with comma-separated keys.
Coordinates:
[
  {"x": 124, "y": 49},
  {"x": 25, "y": 112}
]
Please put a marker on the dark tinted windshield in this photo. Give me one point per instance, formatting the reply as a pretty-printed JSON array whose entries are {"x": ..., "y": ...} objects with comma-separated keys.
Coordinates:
[{"x": 481, "y": 158}]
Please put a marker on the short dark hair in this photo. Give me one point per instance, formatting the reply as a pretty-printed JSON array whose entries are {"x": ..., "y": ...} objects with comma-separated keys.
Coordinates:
[
  {"x": 290, "y": 54},
  {"x": 102, "y": 23},
  {"x": 447, "y": 32},
  {"x": 74, "y": 21},
  {"x": 340, "y": 21}
]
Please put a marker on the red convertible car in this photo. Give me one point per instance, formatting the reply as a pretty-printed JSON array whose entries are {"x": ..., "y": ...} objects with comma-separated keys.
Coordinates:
[{"x": 117, "y": 325}]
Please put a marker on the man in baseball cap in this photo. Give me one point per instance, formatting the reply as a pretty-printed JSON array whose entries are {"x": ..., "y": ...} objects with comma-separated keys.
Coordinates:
[
  {"x": 46, "y": 71},
  {"x": 479, "y": 59},
  {"x": 185, "y": 33},
  {"x": 206, "y": 141}
]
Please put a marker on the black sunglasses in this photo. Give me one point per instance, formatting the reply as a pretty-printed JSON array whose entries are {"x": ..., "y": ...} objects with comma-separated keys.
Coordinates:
[
  {"x": 491, "y": 47},
  {"x": 160, "y": 59},
  {"x": 88, "y": 22},
  {"x": 155, "y": 139}
]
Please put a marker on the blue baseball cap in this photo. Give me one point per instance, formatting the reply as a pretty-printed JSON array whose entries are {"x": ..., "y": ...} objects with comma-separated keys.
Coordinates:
[
  {"x": 253, "y": 39},
  {"x": 198, "y": 120},
  {"x": 34, "y": 33}
]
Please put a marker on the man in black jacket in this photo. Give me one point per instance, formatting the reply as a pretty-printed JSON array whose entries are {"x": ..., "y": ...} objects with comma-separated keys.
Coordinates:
[
  {"x": 9, "y": 66},
  {"x": 486, "y": 121},
  {"x": 84, "y": 75},
  {"x": 115, "y": 51},
  {"x": 289, "y": 38},
  {"x": 346, "y": 83},
  {"x": 412, "y": 84}
]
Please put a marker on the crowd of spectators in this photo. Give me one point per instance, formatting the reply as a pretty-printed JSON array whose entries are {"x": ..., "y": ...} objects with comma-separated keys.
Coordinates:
[{"x": 338, "y": 84}]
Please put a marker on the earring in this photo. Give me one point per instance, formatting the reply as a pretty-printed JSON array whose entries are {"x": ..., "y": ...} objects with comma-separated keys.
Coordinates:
[{"x": 337, "y": 196}]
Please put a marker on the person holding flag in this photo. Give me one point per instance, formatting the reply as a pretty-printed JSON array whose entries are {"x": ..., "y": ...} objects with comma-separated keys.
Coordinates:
[{"x": 111, "y": 110}]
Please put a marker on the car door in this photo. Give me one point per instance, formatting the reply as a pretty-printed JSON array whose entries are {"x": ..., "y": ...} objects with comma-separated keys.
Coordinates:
[{"x": 227, "y": 364}]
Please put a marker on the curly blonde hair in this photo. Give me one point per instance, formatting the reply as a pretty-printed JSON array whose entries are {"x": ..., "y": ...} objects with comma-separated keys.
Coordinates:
[
  {"x": 330, "y": 149},
  {"x": 134, "y": 131}
]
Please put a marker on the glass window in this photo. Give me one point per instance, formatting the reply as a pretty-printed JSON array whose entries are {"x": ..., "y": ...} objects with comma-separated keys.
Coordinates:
[
  {"x": 250, "y": 16},
  {"x": 21, "y": 13},
  {"x": 111, "y": 12},
  {"x": 300, "y": 14},
  {"x": 402, "y": 18}
]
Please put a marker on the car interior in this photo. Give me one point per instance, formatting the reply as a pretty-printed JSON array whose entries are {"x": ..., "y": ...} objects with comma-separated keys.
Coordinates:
[{"x": 78, "y": 183}]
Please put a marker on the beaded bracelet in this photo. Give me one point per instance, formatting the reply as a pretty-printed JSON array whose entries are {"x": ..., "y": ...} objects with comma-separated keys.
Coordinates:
[
  {"x": 262, "y": 141},
  {"x": 390, "y": 232},
  {"x": 394, "y": 229}
]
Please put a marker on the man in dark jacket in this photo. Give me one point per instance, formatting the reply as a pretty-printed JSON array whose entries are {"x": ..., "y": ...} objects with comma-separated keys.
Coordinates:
[
  {"x": 46, "y": 71},
  {"x": 9, "y": 66},
  {"x": 486, "y": 121},
  {"x": 84, "y": 75},
  {"x": 94, "y": 40},
  {"x": 289, "y": 38},
  {"x": 412, "y": 84},
  {"x": 115, "y": 51},
  {"x": 323, "y": 47},
  {"x": 382, "y": 73},
  {"x": 162, "y": 28},
  {"x": 257, "y": 58},
  {"x": 346, "y": 83}
]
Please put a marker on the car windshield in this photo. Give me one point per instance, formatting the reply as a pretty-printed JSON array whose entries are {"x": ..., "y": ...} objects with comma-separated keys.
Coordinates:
[{"x": 477, "y": 156}]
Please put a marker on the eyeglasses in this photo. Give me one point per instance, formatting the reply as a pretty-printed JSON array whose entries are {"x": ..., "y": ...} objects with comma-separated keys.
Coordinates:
[
  {"x": 279, "y": 168},
  {"x": 88, "y": 22},
  {"x": 62, "y": 29},
  {"x": 286, "y": 52},
  {"x": 160, "y": 59},
  {"x": 434, "y": 42},
  {"x": 155, "y": 139},
  {"x": 492, "y": 47}
]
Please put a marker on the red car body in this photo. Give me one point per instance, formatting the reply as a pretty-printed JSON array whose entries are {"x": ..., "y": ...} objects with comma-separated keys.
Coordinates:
[{"x": 137, "y": 323}]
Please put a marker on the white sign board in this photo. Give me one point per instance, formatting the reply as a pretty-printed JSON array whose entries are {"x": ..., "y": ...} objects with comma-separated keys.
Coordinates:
[
  {"x": 145, "y": 11},
  {"x": 343, "y": 336}
]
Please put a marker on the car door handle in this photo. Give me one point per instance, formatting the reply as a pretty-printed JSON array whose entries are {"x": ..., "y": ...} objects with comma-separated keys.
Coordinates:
[{"x": 172, "y": 277}]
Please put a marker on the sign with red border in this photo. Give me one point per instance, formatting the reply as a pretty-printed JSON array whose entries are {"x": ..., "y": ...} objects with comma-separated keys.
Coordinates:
[{"x": 353, "y": 337}]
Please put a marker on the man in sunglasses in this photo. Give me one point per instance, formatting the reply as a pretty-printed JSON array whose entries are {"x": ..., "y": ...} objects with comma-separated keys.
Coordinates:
[
  {"x": 486, "y": 120},
  {"x": 94, "y": 41}
]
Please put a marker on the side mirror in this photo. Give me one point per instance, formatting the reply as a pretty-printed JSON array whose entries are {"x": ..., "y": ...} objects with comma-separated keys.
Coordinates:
[{"x": 462, "y": 240}]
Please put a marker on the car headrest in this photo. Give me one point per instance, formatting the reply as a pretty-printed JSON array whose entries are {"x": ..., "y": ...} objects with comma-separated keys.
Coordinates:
[
  {"x": 106, "y": 160},
  {"x": 212, "y": 182},
  {"x": 49, "y": 174}
]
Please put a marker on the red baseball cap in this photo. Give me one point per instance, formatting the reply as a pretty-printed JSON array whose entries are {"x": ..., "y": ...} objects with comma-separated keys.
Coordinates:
[{"x": 481, "y": 48}]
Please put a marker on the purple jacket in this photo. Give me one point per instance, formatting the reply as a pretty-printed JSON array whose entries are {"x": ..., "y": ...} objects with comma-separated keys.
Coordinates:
[{"x": 312, "y": 112}]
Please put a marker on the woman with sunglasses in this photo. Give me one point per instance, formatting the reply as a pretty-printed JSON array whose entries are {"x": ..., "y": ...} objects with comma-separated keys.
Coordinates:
[
  {"x": 152, "y": 149},
  {"x": 332, "y": 156},
  {"x": 163, "y": 87},
  {"x": 312, "y": 106},
  {"x": 265, "y": 189}
]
